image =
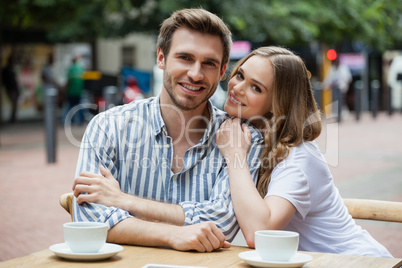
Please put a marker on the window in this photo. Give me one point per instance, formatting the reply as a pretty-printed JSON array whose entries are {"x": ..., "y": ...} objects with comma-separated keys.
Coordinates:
[{"x": 128, "y": 56}]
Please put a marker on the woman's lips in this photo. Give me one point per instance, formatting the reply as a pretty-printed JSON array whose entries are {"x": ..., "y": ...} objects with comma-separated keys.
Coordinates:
[{"x": 235, "y": 101}]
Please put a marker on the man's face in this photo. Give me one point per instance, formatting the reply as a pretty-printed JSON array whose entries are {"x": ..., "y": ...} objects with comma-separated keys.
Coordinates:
[{"x": 192, "y": 69}]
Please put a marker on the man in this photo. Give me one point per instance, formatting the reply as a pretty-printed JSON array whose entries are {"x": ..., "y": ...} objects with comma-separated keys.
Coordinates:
[
  {"x": 47, "y": 75},
  {"x": 165, "y": 182},
  {"x": 11, "y": 86},
  {"x": 74, "y": 89}
]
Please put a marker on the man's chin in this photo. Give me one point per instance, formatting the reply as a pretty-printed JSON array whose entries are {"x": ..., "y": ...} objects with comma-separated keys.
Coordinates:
[{"x": 189, "y": 106}]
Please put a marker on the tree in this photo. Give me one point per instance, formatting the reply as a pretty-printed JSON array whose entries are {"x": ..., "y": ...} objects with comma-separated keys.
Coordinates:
[
  {"x": 377, "y": 23},
  {"x": 331, "y": 22}
]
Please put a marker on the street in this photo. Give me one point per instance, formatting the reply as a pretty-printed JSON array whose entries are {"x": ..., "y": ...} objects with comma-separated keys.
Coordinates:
[{"x": 365, "y": 158}]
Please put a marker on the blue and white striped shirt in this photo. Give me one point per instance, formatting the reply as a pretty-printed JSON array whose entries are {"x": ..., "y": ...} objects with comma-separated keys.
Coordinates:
[{"x": 132, "y": 142}]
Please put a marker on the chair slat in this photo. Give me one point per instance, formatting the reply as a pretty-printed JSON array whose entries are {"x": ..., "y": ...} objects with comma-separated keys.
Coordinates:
[
  {"x": 374, "y": 209},
  {"x": 66, "y": 201}
]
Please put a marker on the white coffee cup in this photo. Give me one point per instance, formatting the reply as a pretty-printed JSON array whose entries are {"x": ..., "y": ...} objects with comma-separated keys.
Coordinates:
[
  {"x": 85, "y": 237},
  {"x": 275, "y": 245}
]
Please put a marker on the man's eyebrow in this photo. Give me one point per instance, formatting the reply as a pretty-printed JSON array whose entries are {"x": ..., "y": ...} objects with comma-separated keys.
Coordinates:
[
  {"x": 183, "y": 54},
  {"x": 215, "y": 60},
  {"x": 255, "y": 81}
]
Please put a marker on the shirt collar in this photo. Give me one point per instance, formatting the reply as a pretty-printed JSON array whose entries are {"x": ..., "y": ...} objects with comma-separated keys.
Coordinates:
[
  {"x": 216, "y": 118},
  {"x": 156, "y": 116}
]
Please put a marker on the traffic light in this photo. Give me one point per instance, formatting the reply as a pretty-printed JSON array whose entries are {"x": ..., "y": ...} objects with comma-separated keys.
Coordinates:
[{"x": 331, "y": 54}]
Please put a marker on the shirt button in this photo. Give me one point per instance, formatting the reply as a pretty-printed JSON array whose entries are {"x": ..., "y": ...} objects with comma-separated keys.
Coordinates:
[
  {"x": 167, "y": 146},
  {"x": 174, "y": 177}
]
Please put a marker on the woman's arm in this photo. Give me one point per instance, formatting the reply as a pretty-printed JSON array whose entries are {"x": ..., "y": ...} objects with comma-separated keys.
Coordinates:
[{"x": 252, "y": 211}]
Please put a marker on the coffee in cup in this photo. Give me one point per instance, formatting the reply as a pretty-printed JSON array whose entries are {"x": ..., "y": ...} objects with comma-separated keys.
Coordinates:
[
  {"x": 85, "y": 237},
  {"x": 275, "y": 245}
]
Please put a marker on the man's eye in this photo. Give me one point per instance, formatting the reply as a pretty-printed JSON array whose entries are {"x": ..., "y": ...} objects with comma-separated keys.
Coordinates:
[
  {"x": 184, "y": 57},
  {"x": 210, "y": 63}
]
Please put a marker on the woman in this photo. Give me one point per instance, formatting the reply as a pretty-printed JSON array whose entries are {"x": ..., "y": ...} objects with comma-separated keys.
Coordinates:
[{"x": 271, "y": 89}]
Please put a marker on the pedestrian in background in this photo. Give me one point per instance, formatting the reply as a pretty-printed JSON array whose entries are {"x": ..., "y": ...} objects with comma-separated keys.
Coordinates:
[
  {"x": 47, "y": 75},
  {"x": 74, "y": 89},
  {"x": 132, "y": 91},
  {"x": 11, "y": 86},
  {"x": 339, "y": 79},
  {"x": 49, "y": 81},
  {"x": 394, "y": 81}
]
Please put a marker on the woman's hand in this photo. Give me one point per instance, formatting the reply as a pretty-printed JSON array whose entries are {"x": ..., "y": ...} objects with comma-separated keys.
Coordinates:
[{"x": 233, "y": 139}]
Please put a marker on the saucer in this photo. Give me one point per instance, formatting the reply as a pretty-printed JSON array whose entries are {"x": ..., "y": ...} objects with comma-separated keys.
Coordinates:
[
  {"x": 107, "y": 251},
  {"x": 252, "y": 258}
]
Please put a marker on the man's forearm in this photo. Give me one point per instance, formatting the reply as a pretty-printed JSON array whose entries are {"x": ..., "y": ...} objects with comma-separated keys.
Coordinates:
[
  {"x": 151, "y": 210},
  {"x": 202, "y": 237},
  {"x": 133, "y": 231}
]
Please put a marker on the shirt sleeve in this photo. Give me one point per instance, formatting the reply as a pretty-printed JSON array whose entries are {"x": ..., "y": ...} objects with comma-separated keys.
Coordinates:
[
  {"x": 98, "y": 148},
  {"x": 219, "y": 209},
  {"x": 290, "y": 182}
]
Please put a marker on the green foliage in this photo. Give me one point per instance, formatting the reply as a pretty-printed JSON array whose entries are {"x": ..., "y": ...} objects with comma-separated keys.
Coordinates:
[
  {"x": 377, "y": 23},
  {"x": 294, "y": 21}
]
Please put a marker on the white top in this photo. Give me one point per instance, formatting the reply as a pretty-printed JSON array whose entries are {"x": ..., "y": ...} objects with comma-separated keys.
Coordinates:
[{"x": 322, "y": 219}]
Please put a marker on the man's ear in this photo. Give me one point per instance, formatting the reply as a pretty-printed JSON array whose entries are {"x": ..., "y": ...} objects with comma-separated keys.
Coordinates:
[
  {"x": 160, "y": 59},
  {"x": 222, "y": 73}
]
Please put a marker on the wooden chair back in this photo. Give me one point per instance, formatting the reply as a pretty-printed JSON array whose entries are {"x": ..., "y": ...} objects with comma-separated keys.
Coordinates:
[
  {"x": 66, "y": 201},
  {"x": 365, "y": 209},
  {"x": 378, "y": 210}
]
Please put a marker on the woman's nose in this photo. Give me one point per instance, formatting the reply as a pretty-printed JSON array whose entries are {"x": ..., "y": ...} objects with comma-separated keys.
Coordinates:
[{"x": 239, "y": 88}]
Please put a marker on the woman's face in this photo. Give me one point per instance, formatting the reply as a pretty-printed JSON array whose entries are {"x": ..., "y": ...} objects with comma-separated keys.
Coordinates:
[{"x": 250, "y": 89}]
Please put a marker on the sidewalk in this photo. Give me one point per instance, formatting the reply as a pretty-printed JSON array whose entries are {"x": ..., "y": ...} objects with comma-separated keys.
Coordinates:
[
  {"x": 364, "y": 156},
  {"x": 30, "y": 188}
]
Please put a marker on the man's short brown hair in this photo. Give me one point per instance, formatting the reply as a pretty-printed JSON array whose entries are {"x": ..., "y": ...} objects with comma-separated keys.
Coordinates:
[{"x": 198, "y": 20}]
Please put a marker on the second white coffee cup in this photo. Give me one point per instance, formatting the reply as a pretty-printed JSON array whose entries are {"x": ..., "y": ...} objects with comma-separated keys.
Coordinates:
[
  {"x": 276, "y": 245},
  {"x": 85, "y": 237}
]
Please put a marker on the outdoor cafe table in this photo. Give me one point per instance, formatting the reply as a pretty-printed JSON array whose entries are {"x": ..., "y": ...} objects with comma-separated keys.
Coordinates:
[{"x": 137, "y": 257}]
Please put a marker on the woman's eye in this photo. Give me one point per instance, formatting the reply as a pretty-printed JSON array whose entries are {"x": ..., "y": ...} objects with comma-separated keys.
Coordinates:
[
  {"x": 257, "y": 89},
  {"x": 239, "y": 75}
]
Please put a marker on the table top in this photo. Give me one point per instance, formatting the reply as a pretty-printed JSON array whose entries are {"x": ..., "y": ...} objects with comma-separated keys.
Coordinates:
[{"x": 136, "y": 256}]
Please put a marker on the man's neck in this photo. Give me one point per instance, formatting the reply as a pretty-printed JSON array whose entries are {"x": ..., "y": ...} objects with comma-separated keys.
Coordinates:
[{"x": 187, "y": 125}]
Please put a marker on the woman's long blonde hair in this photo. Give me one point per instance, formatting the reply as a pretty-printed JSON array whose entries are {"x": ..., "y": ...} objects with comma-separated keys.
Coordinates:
[{"x": 295, "y": 116}]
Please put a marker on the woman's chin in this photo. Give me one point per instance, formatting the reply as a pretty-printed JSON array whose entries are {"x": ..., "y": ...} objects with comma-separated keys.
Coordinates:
[
  {"x": 230, "y": 111},
  {"x": 236, "y": 115}
]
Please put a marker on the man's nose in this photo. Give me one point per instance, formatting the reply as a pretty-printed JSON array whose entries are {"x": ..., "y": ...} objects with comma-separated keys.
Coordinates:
[{"x": 195, "y": 72}]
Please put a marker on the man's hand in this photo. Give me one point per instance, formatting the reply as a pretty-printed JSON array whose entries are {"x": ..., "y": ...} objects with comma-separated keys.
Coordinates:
[
  {"x": 102, "y": 189},
  {"x": 202, "y": 237}
]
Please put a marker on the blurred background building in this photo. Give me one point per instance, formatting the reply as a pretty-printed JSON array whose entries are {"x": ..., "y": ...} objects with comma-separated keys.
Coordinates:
[{"x": 117, "y": 39}]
